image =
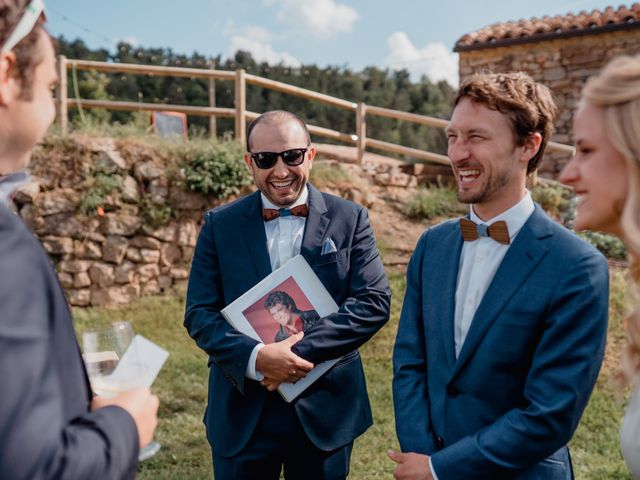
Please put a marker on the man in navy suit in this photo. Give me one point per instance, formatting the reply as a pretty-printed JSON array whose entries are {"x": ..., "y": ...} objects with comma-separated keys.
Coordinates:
[
  {"x": 51, "y": 426},
  {"x": 253, "y": 432},
  {"x": 504, "y": 321}
]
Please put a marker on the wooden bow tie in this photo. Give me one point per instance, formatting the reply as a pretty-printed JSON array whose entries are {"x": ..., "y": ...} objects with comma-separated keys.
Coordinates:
[
  {"x": 269, "y": 214},
  {"x": 472, "y": 231}
]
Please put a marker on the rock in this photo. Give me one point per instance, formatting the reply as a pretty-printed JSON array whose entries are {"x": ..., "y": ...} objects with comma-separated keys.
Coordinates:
[
  {"x": 120, "y": 224},
  {"x": 57, "y": 201},
  {"x": 149, "y": 256},
  {"x": 57, "y": 245},
  {"x": 188, "y": 234},
  {"x": 159, "y": 191},
  {"x": 102, "y": 274},
  {"x": 141, "y": 241},
  {"x": 79, "y": 298},
  {"x": 110, "y": 161},
  {"x": 179, "y": 273},
  {"x": 74, "y": 266},
  {"x": 27, "y": 192},
  {"x": 115, "y": 249},
  {"x": 130, "y": 190},
  {"x": 147, "y": 171},
  {"x": 31, "y": 218},
  {"x": 183, "y": 200},
  {"x": 170, "y": 254},
  {"x": 63, "y": 225},
  {"x": 187, "y": 253},
  {"x": 164, "y": 281},
  {"x": 148, "y": 272},
  {"x": 167, "y": 233},
  {"x": 133, "y": 254},
  {"x": 125, "y": 273},
  {"x": 151, "y": 288},
  {"x": 87, "y": 249},
  {"x": 66, "y": 279},
  {"x": 119, "y": 295},
  {"x": 82, "y": 280}
]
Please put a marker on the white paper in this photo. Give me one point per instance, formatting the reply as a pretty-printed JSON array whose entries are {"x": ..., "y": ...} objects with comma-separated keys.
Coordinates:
[{"x": 141, "y": 352}]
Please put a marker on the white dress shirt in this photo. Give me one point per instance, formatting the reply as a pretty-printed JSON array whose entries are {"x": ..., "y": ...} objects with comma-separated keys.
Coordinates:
[
  {"x": 479, "y": 261},
  {"x": 284, "y": 240}
]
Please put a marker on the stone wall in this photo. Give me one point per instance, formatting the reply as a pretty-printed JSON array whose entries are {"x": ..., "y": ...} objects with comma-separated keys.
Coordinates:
[
  {"x": 111, "y": 256},
  {"x": 563, "y": 65}
]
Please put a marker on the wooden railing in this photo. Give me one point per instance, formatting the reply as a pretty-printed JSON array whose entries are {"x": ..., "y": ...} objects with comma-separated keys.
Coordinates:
[{"x": 240, "y": 113}]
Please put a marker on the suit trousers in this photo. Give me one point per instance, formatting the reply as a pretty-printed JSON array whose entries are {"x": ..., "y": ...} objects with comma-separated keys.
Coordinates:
[{"x": 280, "y": 441}]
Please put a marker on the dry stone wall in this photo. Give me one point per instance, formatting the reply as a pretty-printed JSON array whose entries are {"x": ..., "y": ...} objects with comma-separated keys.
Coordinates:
[{"x": 112, "y": 255}]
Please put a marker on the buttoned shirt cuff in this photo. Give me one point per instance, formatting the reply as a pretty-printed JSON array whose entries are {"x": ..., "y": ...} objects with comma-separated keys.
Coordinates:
[
  {"x": 433, "y": 472},
  {"x": 252, "y": 373}
]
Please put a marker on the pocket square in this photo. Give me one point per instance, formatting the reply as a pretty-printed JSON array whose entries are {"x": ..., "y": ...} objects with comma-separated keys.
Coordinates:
[{"x": 328, "y": 246}]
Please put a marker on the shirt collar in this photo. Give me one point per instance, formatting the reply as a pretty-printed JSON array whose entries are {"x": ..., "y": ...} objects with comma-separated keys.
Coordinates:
[
  {"x": 515, "y": 217},
  {"x": 302, "y": 200}
]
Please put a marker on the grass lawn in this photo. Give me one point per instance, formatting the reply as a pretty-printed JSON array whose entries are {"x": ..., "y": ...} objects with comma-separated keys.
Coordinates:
[{"x": 182, "y": 388}]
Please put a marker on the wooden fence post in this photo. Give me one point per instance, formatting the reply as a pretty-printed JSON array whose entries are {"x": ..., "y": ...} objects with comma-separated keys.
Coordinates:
[
  {"x": 361, "y": 130},
  {"x": 241, "y": 105},
  {"x": 62, "y": 94},
  {"x": 212, "y": 103}
]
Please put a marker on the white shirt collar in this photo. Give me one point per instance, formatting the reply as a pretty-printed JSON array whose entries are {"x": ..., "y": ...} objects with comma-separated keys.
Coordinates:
[
  {"x": 302, "y": 199},
  {"x": 515, "y": 217}
]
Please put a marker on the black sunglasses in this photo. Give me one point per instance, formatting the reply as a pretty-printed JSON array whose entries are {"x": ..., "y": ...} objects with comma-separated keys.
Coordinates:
[{"x": 293, "y": 158}]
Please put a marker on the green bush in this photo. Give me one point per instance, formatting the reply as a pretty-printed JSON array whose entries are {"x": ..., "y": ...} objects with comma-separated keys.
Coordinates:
[
  {"x": 152, "y": 214},
  {"x": 554, "y": 198},
  {"x": 98, "y": 185},
  {"x": 434, "y": 202},
  {"x": 610, "y": 245},
  {"x": 212, "y": 168},
  {"x": 324, "y": 174}
]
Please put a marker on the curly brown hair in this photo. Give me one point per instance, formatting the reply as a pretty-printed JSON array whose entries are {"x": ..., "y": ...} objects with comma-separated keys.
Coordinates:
[
  {"x": 528, "y": 104},
  {"x": 27, "y": 53}
]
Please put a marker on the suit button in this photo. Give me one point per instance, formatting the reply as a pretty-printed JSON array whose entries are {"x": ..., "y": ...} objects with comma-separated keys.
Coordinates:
[
  {"x": 453, "y": 391},
  {"x": 439, "y": 442}
]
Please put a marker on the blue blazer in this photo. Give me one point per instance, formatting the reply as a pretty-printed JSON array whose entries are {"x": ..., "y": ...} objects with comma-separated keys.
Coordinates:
[
  {"x": 510, "y": 402},
  {"x": 231, "y": 257},
  {"x": 46, "y": 428}
]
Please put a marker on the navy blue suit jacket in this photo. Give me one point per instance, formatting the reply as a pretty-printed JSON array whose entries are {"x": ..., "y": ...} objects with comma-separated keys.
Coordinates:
[
  {"x": 46, "y": 429},
  {"x": 230, "y": 258},
  {"x": 516, "y": 392}
]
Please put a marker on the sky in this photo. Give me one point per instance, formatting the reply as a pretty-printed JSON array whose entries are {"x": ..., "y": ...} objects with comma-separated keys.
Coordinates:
[{"x": 418, "y": 35}]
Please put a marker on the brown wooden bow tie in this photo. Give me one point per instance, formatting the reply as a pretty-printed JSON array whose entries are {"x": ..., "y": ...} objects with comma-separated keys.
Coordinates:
[
  {"x": 269, "y": 214},
  {"x": 472, "y": 231}
]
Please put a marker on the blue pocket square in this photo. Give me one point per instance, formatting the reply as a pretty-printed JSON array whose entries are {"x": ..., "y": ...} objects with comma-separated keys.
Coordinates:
[{"x": 328, "y": 246}]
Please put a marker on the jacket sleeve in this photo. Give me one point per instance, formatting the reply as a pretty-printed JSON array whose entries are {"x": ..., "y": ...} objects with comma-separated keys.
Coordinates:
[
  {"x": 364, "y": 311},
  {"x": 563, "y": 372},
  {"x": 410, "y": 393},
  {"x": 227, "y": 348},
  {"x": 37, "y": 440}
]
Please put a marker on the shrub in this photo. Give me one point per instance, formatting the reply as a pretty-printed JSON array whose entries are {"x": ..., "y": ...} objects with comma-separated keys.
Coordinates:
[
  {"x": 554, "y": 198},
  {"x": 98, "y": 185},
  {"x": 324, "y": 174},
  {"x": 152, "y": 214},
  {"x": 212, "y": 168},
  {"x": 434, "y": 202},
  {"x": 610, "y": 245}
]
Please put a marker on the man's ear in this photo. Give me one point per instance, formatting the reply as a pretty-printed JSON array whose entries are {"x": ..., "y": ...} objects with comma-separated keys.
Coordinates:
[
  {"x": 9, "y": 85},
  {"x": 530, "y": 147},
  {"x": 311, "y": 154},
  {"x": 247, "y": 161}
]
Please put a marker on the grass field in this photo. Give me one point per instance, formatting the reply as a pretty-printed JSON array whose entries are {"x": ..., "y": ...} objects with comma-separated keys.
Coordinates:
[{"x": 182, "y": 388}]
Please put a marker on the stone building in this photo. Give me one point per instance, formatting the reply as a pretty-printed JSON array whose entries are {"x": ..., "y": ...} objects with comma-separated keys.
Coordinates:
[{"x": 561, "y": 51}]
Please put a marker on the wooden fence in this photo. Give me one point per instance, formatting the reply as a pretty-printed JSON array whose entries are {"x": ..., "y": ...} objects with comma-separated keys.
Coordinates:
[{"x": 240, "y": 113}]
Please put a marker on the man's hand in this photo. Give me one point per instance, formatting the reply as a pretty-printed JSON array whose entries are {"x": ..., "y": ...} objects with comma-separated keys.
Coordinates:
[
  {"x": 141, "y": 404},
  {"x": 270, "y": 384},
  {"x": 279, "y": 364},
  {"x": 411, "y": 466}
]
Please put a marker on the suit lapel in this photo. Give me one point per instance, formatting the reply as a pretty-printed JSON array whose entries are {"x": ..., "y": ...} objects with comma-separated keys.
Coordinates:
[
  {"x": 441, "y": 288},
  {"x": 255, "y": 237},
  {"x": 523, "y": 256},
  {"x": 316, "y": 225}
]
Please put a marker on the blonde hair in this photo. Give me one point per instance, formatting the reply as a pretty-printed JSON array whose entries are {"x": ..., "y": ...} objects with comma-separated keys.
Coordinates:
[{"x": 617, "y": 90}]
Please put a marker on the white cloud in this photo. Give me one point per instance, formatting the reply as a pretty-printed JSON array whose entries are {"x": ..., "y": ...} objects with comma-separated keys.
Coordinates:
[
  {"x": 321, "y": 18},
  {"x": 261, "y": 51},
  {"x": 435, "y": 60}
]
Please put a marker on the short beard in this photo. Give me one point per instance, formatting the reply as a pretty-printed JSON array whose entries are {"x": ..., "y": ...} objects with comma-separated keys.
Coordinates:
[{"x": 491, "y": 188}]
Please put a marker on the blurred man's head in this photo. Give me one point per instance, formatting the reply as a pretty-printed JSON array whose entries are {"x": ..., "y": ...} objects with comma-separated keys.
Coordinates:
[{"x": 27, "y": 78}]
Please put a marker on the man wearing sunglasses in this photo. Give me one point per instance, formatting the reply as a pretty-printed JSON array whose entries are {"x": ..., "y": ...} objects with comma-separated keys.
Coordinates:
[
  {"x": 253, "y": 432},
  {"x": 50, "y": 426}
]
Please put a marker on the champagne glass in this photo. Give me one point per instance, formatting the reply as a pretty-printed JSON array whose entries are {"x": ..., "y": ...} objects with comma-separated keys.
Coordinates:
[{"x": 104, "y": 348}]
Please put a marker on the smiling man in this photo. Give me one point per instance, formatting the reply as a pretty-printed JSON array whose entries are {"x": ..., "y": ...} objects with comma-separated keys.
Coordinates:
[
  {"x": 504, "y": 321},
  {"x": 253, "y": 432}
]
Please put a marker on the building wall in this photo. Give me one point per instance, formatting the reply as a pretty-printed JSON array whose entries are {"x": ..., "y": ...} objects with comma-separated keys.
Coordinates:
[{"x": 563, "y": 65}]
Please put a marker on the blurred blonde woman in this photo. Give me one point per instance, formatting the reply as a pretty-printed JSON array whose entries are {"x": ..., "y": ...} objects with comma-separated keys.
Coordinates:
[{"x": 605, "y": 173}]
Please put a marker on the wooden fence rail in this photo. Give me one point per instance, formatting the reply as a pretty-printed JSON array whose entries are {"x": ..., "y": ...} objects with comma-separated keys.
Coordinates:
[{"x": 240, "y": 113}]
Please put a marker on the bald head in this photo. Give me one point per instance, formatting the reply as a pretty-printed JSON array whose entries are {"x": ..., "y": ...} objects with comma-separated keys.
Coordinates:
[{"x": 277, "y": 117}]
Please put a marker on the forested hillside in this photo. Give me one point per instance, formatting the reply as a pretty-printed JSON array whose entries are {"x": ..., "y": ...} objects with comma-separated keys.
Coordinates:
[{"x": 373, "y": 85}]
